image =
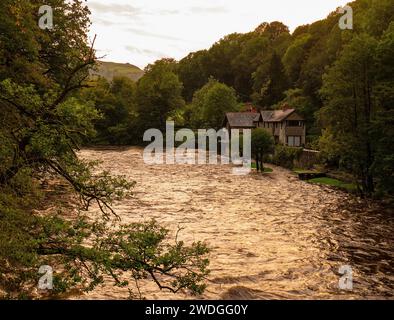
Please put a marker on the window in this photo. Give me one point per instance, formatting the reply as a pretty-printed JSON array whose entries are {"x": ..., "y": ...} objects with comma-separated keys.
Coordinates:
[
  {"x": 294, "y": 141},
  {"x": 293, "y": 123}
]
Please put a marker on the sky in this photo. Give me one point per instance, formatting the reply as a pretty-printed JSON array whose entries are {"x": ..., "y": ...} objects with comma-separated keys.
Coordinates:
[{"x": 142, "y": 31}]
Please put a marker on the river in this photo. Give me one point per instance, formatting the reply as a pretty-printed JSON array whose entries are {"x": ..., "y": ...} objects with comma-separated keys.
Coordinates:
[{"x": 272, "y": 236}]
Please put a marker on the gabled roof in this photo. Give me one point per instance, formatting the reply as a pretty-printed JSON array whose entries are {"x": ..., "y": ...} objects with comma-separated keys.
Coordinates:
[
  {"x": 276, "y": 115},
  {"x": 242, "y": 119}
]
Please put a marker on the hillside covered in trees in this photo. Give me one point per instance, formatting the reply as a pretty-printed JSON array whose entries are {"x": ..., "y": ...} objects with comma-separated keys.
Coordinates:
[{"x": 340, "y": 81}]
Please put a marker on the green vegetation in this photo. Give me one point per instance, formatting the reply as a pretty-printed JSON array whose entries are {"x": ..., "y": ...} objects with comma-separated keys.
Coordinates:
[
  {"x": 285, "y": 156},
  {"x": 44, "y": 119},
  {"x": 115, "y": 102},
  {"x": 262, "y": 145},
  {"x": 335, "y": 183},
  {"x": 340, "y": 81},
  {"x": 209, "y": 105},
  {"x": 159, "y": 95},
  {"x": 266, "y": 169},
  {"x": 358, "y": 111},
  {"x": 299, "y": 170}
]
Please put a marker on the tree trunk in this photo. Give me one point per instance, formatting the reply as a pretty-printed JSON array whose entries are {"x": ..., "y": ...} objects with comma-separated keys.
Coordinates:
[{"x": 262, "y": 162}]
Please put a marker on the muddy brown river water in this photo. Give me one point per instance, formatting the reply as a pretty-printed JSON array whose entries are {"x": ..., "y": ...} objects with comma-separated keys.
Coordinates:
[{"x": 272, "y": 236}]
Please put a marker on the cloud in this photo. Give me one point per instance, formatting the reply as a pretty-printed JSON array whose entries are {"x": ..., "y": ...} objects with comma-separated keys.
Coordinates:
[
  {"x": 149, "y": 52},
  {"x": 151, "y": 34},
  {"x": 102, "y": 21},
  {"x": 118, "y": 9},
  {"x": 168, "y": 12},
  {"x": 207, "y": 10}
]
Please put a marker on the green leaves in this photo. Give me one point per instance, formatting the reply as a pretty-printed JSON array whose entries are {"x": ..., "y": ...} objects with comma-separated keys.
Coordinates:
[
  {"x": 262, "y": 145},
  {"x": 144, "y": 248},
  {"x": 159, "y": 92},
  {"x": 355, "y": 99},
  {"x": 210, "y": 103},
  {"x": 43, "y": 121}
]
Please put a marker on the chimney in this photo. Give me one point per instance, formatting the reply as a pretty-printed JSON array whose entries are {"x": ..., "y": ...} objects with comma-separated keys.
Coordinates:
[{"x": 250, "y": 108}]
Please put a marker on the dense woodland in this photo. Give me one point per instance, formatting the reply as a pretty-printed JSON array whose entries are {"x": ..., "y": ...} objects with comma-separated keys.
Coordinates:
[{"x": 341, "y": 81}]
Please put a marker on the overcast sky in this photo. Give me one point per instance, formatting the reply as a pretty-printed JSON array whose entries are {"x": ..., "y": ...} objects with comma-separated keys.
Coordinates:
[{"x": 142, "y": 31}]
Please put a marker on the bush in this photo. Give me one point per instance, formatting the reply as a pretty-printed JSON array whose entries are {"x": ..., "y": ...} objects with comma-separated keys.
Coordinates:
[{"x": 285, "y": 156}]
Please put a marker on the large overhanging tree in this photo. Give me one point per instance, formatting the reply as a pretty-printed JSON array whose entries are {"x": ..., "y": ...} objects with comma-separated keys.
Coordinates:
[{"x": 42, "y": 124}]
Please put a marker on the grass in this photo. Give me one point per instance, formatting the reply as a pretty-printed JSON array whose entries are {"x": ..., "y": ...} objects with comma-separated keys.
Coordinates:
[
  {"x": 298, "y": 171},
  {"x": 335, "y": 183},
  {"x": 266, "y": 170}
]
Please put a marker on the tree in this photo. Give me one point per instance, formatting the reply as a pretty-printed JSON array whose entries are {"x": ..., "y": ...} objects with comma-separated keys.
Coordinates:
[
  {"x": 383, "y": 125},
  {"x": 270, "y": 82},
  {"x": 43, "y": 122},
  {"x": 192, "y": 73},
  {"x": 253, "y": 52},
  {"x": 273, "y": 29},
  {"x": 295, "y": 56},
  {"x": 210, "y": 104},
  {"x": 350, "y": 109},
  {"x": 116, "y": 103},
  {"x": 159, "y": 93},
  {"x": 262, "y": 145}
]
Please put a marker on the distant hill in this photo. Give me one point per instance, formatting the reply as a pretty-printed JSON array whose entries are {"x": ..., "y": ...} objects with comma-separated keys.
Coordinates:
[{"x": 109, "y": 70}]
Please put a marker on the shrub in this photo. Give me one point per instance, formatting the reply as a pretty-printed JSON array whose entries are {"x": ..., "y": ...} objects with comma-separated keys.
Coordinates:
[{"x": 285, "y": 156}]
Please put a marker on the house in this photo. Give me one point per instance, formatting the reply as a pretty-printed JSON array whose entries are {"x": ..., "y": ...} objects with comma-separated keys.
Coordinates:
[
  {"x": 286, "y": 125},
  {"x": 242, "y": 120}
]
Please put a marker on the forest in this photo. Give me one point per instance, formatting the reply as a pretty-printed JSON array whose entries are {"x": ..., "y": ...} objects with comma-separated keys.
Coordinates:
[{"x": 341, "y": 81}]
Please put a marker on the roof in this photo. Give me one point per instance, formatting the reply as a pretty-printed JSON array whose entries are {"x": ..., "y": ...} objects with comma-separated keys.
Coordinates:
[
  {"x": 276, "y": 115},
  {"x": 242, "y": 119}
]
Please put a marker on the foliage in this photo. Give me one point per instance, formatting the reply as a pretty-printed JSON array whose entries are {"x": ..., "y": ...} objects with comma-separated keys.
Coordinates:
[
  {"x": 319, "y": 69},
  {"x": 334, "y": 183},
  {"x": 270, "y": 82},
  {"x": 304, "y": 105},
  {"x": 44, "y": 119},
  {"x": 353, "y": 108},
  {"x": 210, "y": 103},
  {"x": 116, "y": 103},
  {"x": 159, "y": 92},
  {"x": 262, "y": 145},
  {"x": 285, "y": 156}
]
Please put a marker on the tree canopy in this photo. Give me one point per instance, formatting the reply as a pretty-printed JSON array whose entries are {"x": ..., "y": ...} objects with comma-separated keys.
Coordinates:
[
  {"x": 44, "y": 119},
  {"x": 210, "y": 103},
  {"x": 319, "y": 69}
]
